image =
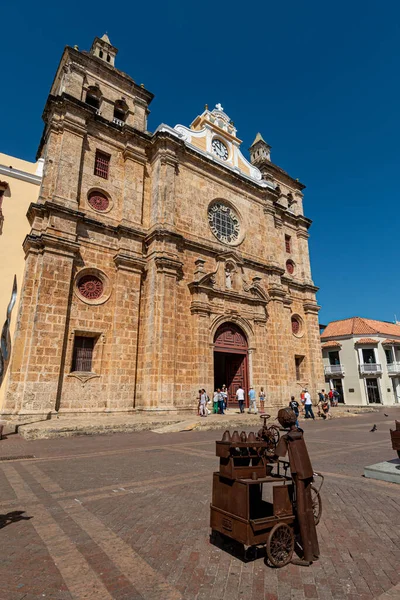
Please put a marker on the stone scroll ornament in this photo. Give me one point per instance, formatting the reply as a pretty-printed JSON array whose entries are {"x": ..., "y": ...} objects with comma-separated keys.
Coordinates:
[{"x": 5, "y": 340}]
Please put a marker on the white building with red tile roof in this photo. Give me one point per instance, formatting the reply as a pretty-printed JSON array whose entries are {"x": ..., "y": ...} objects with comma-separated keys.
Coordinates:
[{"x": 362, "y": 360}]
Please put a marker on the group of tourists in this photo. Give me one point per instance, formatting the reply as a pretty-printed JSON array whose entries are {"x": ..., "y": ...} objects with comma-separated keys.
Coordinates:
[
  {"x": 220, "y": 401},
  {"x": 305, "y": 405}
]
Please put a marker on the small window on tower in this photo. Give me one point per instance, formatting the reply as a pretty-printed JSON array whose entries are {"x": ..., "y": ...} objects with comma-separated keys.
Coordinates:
[
  {"x": 101, "y": 53},
  {"x": 102, "y": 164},
  {"x": 288, "y": 243},
  {"x": 82, "y": 355},
  {"x": 299, "y": 360}
]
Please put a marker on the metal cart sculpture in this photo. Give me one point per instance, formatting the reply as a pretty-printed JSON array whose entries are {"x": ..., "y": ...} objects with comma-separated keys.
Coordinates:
[{"x": 238, "y": 509}]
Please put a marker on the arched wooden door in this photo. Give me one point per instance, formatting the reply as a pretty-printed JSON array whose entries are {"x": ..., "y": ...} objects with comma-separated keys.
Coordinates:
[{"x": 230, "y": 360}]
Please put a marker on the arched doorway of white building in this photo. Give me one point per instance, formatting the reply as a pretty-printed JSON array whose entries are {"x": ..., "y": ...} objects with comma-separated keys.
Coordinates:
[{"x": 231, "y": 362}]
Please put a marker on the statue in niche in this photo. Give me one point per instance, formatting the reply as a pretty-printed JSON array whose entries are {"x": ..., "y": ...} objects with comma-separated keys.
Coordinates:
[{"x": 229, "y": 270}]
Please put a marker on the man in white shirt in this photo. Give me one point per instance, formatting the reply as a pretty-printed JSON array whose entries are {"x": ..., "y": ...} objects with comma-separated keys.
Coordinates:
[
  {"x": 240, "y": 398},
  {"x": 308, "y": 406}
]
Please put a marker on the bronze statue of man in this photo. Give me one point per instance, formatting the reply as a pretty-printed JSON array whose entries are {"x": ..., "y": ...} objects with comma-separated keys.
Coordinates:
[{"x": 302, "y": 474}]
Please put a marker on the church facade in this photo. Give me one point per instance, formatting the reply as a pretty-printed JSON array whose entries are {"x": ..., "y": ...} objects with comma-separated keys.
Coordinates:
[{"x": 156, "y": 263}]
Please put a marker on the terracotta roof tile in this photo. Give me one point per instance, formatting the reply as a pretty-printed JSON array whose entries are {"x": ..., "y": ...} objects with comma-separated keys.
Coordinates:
[
  {"x": 391, "y": 341},
  {"x": 357, "y": 326},
  {"x": 332, "y": 344},
  {"x": 366, "y": 341}
]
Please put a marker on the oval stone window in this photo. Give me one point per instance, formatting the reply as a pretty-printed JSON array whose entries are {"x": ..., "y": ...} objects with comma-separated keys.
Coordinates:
[
  {"x": 290, "y": 267},
  {"x": 296, "y": 326},
  {"x": 99, "y": 201}
]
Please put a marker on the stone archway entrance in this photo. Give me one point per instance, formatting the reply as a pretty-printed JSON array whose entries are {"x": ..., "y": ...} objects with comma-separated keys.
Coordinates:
[{"x": 231, "y": 360}]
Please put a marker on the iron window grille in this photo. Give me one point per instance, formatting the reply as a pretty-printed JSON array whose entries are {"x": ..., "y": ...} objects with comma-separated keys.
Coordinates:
[
  {"x": 102, "y": 164},
  {"x": 82, "y": 356}
]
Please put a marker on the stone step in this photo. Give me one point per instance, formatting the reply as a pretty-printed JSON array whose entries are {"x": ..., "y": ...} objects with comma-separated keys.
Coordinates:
[{"x": 66, "y": 426}]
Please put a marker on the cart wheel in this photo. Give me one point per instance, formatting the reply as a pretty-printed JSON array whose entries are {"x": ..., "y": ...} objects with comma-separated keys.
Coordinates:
[
  {"x": 316, "y": 504},
  {"x": 280, "y": 545},
  {"x": 274, "y": 434}
]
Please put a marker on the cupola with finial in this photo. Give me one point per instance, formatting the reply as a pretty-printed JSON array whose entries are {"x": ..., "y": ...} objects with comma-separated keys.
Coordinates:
[
  {"x": 102, "y": 48},
  {"x": 260, "y": 151}
]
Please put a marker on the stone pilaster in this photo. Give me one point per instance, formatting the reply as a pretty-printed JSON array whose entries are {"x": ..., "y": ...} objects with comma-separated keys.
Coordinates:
[
  {"x": 157, "y": 372},
  {"x": 132, "y": 205},
  {"x": 124, "y": 334},
  {"x": 40, "y": 342},
  {"x": 311, "y": 310}
]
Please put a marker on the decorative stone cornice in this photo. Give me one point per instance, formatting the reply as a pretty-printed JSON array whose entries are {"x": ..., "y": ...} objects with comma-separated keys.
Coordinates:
[
  {"x": 287, "y": 301},
  {"x": 276, "y": 292},
  {"x": 132, "y": 154},
  {"x": 269, "y": 210},
  {"x": 160, "y": 232},
  {"x": 126, "y": 262},
  {"x": 200, "y": 308},
  {"x": 170, "y": 266},
  {"x": 50, "y": 243},
  {"x": 41, "y": 209},
  {"x": 299, "y": 285},
  {"x": 311, "y": 308},
  {"x": 302, "y": 234}
]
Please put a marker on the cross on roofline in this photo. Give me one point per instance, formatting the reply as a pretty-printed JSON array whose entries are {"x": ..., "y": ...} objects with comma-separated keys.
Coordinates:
[{"x": 218, "y": 106}]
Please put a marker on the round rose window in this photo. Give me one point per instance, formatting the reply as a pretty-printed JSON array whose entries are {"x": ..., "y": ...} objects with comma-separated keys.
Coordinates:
[
  {"x": 290, "y": 267},
  {"x": 98, "y": 201},
  {"x": 296, "y": 326},
  {"x": 90, "y": 287},
  {"x": 224, "y": 223}
]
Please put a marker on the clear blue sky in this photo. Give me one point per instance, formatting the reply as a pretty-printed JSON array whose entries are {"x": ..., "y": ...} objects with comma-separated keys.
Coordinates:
[{"x": 320, "y": 80}]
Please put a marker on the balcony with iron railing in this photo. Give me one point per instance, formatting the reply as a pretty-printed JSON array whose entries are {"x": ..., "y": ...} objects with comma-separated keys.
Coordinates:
[
  {"x": 393, "y": 368},
  {"x": 334, "y": 370},
  {"x": 370, "y": 369}
]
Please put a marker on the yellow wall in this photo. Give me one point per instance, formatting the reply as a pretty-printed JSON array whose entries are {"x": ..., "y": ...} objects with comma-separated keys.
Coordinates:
[{"x": 16, "y": 201}]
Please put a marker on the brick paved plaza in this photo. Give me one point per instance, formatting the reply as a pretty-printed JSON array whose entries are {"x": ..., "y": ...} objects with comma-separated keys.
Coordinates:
[{"x": 125, "y": 517}]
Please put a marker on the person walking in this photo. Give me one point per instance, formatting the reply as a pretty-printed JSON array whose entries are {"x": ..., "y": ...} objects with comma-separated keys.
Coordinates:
[
  {"x": 252, "y": 400},
  {"x": 331, "y": 397},
  {"x": 261, "y": 397},
  {"x": 198, "y": 402},
  {"x": 215, "y": 402},
  {"x": 294, "y": 405},
  {"x": 308, "y": 406},
  {"x": 220, "y": 402},
  {"x": 240, "y": 398},
  {"x": 336, "y": 397},
  {"x": 203, "y": 403},
  {"x": 224, "y": 393}
]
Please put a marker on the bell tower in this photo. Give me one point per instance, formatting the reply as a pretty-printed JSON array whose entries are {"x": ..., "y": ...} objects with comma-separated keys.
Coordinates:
[
  {"x": 260, "y": 151},
  {"x": 102, "y": 48}
]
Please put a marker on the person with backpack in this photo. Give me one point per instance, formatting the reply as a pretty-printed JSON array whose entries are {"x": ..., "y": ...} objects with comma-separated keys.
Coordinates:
[
  {"x": 261, "y": 397},
  {"x": 294, "y": 405},
  {"x": 336, "y": 397}
]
